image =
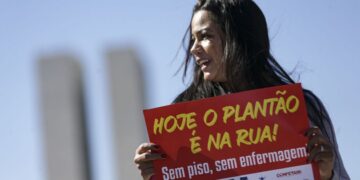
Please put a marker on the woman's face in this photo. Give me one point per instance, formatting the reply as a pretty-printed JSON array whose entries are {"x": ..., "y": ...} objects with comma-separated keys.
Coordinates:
[{"x": 207, "y": 48}]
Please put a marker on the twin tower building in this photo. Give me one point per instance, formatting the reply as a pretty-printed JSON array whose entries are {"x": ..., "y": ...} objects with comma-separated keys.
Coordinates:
[{"x": 65, "y": 116}]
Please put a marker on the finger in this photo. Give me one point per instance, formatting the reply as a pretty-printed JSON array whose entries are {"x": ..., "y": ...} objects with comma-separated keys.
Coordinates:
[
  {"x": 316, "y": 140},
  {"x": 145, "y": 157},
  {"x": 320, "y": 152},
  {"x": 144, "y": 147},
  {"x": 326, "y": 154},
  {"x": 147, "y": 173},
  {"x": 145, "y": 165},
  {"x": 313, "y": 131}
]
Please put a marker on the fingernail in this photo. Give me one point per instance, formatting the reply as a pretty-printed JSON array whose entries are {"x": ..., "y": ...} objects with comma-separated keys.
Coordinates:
[
  {"x": 163, "y": 155},
  {"x": 305, "y": 133}
]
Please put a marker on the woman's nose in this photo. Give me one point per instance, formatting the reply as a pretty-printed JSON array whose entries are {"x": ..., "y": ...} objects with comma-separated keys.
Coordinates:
[{"x": 195, "y": 49}]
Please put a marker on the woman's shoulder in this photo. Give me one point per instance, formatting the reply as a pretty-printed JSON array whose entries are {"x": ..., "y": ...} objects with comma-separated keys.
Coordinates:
[
  {"x": 309, "y": 95},
  {"x": 179, "y": 98},
  {"x": 186, "y": 95},
  {"x": 313, "y": 102}
]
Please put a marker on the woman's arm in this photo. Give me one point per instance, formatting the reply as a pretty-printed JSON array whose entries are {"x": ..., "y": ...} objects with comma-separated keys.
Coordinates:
[
  {"x": 145, "y": 154},
  {"x": 323, "y": 135}
]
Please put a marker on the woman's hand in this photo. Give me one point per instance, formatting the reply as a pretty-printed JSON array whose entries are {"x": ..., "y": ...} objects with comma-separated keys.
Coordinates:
[
  {"x": 145, "y": 154},
  {"x": 320, "y": 151}
]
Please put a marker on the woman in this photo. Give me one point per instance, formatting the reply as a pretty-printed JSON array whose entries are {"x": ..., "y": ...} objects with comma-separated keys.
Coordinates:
[{"x": 228, "y": 46}]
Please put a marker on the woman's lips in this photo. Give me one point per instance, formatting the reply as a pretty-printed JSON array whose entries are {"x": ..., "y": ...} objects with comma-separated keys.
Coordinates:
[{"x": 203, "y": 63}]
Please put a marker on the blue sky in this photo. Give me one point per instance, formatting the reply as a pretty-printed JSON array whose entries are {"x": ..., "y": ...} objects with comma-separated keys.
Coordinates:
[{"x": 319, "y": 38}]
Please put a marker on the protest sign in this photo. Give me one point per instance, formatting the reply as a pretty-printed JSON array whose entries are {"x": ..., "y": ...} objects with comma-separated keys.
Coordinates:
[{"x": 248, "y": 135}]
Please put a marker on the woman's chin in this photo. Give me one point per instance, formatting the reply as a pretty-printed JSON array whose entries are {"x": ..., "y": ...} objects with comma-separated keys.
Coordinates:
[
  {"x": 208, "y": 77},
  {"x": 213, "y": 77}
]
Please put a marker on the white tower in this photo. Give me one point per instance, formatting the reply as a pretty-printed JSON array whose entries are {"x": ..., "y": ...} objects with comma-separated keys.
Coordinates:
[
  {"x": 63, "y": 117},
  {"x": 126, "y": 96}
]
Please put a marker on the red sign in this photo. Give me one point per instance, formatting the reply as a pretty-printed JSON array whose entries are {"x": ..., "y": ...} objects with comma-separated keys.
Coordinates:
[{"x": 257, "y": 133}]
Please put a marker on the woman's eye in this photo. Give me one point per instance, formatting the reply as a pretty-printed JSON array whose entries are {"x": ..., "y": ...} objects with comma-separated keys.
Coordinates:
[{"x": 205, "y": 36}]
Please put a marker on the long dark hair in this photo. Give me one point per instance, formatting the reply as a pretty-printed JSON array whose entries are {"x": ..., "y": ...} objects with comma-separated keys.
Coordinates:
[
  {"x": 247, "y": 57},
  {"x": 248, "y": 61}
]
